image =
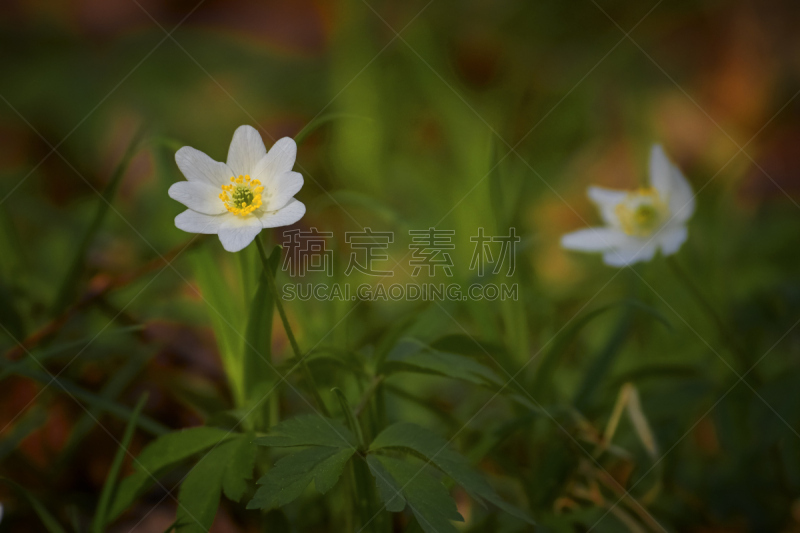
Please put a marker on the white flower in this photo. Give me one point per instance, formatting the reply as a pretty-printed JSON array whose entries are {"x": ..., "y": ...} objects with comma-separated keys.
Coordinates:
[
  {"x": 253, "y": 191},
  {"x": 639, "y": 222}
]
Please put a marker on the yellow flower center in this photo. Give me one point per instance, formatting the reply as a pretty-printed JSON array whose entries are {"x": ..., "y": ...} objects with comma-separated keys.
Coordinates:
[
  {"x": 641, "y": 213},
  {"x": 242, "y": 196}
]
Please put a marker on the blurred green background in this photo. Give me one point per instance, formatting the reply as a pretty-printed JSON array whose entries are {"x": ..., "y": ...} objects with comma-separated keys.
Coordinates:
[{"x": 458, "y": 115}]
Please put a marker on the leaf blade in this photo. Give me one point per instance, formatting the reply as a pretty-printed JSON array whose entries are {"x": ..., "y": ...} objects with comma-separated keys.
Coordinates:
[
  {"x": 240, "y": 468},
  {"x": 159, "y": 456},
  {"x": 309, "y": 430},
  {"x": 290, "y": 476},
  {"x": 405, "y": 435},
  {"x": 99, "y": 521},
  {"x": 198, "y": 498},
  {"x": 427, "y": 498}
]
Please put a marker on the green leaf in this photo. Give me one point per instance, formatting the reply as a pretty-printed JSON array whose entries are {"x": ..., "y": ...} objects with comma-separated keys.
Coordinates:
[
  {"x": 240, "y": 467},
  {"x": 309, "y": 128},
  {"x": 27, "y": 424},
  {"x": 291, "y": 475},
  {"x": 602, "y": 362},
  {"x": 159, "y": 456},
  {"x": 408, "y": 436},
  {"x": 39, "y": 355},
  {"x": 391, "y": 336},
  {"x": 110, "y": 391},
  {"x": 466, "y": 345},
  {"x": 94, "y": 400},
  {"x": 198, "y": 498},
  {"x": 99, "y": 521},
  {"x": 50, "y": 523},
  {"x": 309, "y": 430},
  {"x": 391, "y": 493},
  {"x": 544, "y": 373},
  {"x": 413, "y": 356},
  {"x": 225, "y": 311},
  {"x": 70, "y": 283},
  {"x": 547, "y": 366},
  {"x": 427, "y": 498},
  {"x": 257, "y": 352}
]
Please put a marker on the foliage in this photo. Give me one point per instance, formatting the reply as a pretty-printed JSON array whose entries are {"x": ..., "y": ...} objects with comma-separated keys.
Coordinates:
[{"x": 657, "y": 397}]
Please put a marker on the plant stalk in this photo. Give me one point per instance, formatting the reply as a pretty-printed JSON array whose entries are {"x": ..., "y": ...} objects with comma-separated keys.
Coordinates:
[{"x": 312, "y": 384}]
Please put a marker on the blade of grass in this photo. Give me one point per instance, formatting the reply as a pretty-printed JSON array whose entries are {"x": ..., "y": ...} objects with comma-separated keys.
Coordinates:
[
  {"x": 602, "y": 362},
  {"x": 7, "y": 368},
  {"x": 69, "y": 285},
  {"x": 110, "y": 391},
  {"x": 99, "y": 521},
  {"x": 30, "y": 422},
  {"x": 257, "y": 351},
  {"x": 50, "y": 523},
  {"x": 120, "y": 411},
  {"x": 315, "y": 124},
  {"x": 217, "y": 293}
]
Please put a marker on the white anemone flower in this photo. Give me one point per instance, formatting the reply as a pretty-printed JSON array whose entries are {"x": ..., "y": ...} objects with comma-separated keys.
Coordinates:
[
  {"x": 639, "y": 222},
  {"x": 254, "y": 190}
]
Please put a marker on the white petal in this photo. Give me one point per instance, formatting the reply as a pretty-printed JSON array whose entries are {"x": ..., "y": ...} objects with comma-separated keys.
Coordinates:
[
  {"x": 671, "y": 238},
  {"x": 283, "y": 188},
  {"x": 607, "y": 200},
  {"x": 670, "y": 183},
  {"x": 279, "y": 160},
  {"x": 642, "y": 250},
  {"x": 660, "y": 171},
  {"x": 681, "y": 203},
  {"x": 237, "y": 232},
  {"x": 195, "y": 222},
  {"x": 285, "y": 216},
  {"x": 245, "y": 151},
  {"x": 200, "y": 197},
  {"x": 594, "y": 239},
  {"x": 198, "y": 167}
]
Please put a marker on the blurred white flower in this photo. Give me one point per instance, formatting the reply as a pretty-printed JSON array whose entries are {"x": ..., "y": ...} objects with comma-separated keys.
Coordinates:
[
  {"x": 639, "y": 222},
  {"x": 236, "y": 200}
]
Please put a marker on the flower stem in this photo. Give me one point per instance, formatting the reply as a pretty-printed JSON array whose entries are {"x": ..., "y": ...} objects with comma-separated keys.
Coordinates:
[
  {"x": 312, "y": 384},
  {"x": 724, "y": 331}
]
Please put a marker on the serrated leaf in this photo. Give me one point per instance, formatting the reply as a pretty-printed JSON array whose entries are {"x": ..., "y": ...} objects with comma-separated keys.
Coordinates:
[
  {"x": 198, "y": 498},
  {"x": 309, "y": 430},
  {"x": 239, "y": 468},
  {"x": 391, "y": 493},
  {"x": 291, "y": 475},
  {"x": 414, "y": 356},
  {"x": 427, "y": 498},
  {"x": 159, "y": 456},
  {"x": 408, "y": 436}
]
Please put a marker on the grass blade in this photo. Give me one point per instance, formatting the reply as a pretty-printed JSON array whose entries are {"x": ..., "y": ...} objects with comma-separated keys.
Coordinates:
[
  {"x": 315, "y": 124},
  {"x": 50, "y": 523},
  {"x": 98, "y": 524},
  {"x": 69, "y": 285},
  {"x": 96, "y": 401}
]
